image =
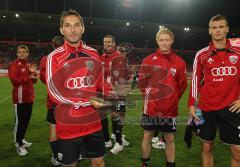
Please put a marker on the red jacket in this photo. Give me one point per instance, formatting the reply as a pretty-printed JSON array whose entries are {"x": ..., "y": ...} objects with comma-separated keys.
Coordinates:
[
  {"x": 50, "y": 103},
  {"x": 73, "y": 76},
  {"x": 162, "y": 81},
  {"x": 19, "y": 75},
  {"x": 115, "y": 68},
  {"x": 215, "y": 77}
]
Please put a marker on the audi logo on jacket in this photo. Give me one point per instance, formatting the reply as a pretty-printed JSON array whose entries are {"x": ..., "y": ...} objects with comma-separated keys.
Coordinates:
[
  {"x": 19, "y": 75},
  {"x": 215, "y": 77},
  {"x": 73, "y": 75},
  {"x": 162, "y": 81}
]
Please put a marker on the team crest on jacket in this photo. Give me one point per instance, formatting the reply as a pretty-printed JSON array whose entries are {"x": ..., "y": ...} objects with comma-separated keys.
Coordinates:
[
  {"x": 233, "y": 59},
  {"x": 173, "y": 71},
  {"x": 89, "y": 65},
  {"x": 115, "y": 73},
  {"x": 23, "y": 69}
]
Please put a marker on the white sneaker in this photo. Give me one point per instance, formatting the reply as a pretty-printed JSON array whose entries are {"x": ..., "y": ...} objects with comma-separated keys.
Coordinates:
[
  {"x": 155, "y": 139},
  {"x": 125, "y": 142},
  {"x": 113, "y": 136},
  {"x": 108, "y": 144},
  {"x": 22, "y": 151},
  {"x": 26, "y": 144},
  {"x": 117, "y": 148},
  {"x": 80, "y": 157},
  {"x": 159, "y": 145},
  {"x": 54, "y": 161}
]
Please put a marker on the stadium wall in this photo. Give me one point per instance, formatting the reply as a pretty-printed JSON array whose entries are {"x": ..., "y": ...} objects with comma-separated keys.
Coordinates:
[{"x": 3, "y": 73}]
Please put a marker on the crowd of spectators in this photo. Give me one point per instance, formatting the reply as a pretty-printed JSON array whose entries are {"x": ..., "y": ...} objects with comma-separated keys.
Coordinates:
[{"x": 38, "y": 50}]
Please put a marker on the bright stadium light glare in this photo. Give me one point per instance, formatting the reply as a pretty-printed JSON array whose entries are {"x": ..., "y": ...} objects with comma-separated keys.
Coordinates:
[
  {"x": 17, "y": 15},
  {"x": 186, "y": 29},
  {"x": 127, "y": 24},
  {"x": 129, "y": 3},
  {"x": 160, "y": 26}
]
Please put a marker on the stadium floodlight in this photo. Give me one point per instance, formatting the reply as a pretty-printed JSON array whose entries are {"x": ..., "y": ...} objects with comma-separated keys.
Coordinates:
[
  {"x": 160, "y": 26},
  {"x": 129, "y": 3},
  {"x": 17, "y": 15},
  {"x": 186, "y": 29},
  {"x": 127, "y": 24}
]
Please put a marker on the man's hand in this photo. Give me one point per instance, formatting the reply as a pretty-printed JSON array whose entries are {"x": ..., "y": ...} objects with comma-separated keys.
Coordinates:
[
  {"x": 192, "y": 110},
  {"x": 98, "y": 102},
  {"x": 235, "y": 106},
  {"x": 33, "y": 68},
  {"x": 33, "y": 76}
]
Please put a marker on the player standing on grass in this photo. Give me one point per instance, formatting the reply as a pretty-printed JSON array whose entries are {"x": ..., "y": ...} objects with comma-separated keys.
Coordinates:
[
  {"x": 74, "y": 74},
  {"x": 162, "y": 81},
  {"x": 22, "y": 76},
  {"x": 115, "y": 73},
  {"x": 57, "y": 42},
  {"x": 216, "y": 82}
]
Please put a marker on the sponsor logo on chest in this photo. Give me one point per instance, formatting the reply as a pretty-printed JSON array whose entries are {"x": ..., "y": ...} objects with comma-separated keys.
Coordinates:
[{"x": 224, "y": 71}]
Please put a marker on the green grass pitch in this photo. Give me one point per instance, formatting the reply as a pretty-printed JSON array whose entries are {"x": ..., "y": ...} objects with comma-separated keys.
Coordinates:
[{"x": 40, "y": 154}]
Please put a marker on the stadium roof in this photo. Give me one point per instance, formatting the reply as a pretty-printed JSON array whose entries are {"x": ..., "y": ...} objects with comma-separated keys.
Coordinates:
[{"x": 39, "y": 19}]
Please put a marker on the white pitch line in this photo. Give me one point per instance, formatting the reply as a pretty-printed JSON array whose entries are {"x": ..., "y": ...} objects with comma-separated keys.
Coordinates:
[{"x": 5, "y": 99}]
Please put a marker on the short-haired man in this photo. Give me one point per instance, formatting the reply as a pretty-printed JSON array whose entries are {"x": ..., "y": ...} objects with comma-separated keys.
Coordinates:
[
  {"x": 73, "y": 75},
  {"x": 22, "y": 76},
  {"x": 57, "y": 41},
  {"x": 215, "y": 87},
  {"x": 115, "y": 73},
  {"x": 162, "y": 81}
]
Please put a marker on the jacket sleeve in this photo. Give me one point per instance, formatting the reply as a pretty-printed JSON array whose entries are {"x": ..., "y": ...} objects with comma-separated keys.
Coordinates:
[
  {"x": 197, "y": 76},
  {"x": 143, "y": 76},
  {"x": 182, "y": 79},
  {"x": 43, "y": 69},
  {"x": 15, "y": 76},
  {"x": 52, "y": 84}
]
